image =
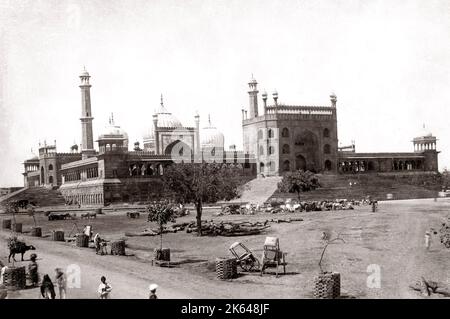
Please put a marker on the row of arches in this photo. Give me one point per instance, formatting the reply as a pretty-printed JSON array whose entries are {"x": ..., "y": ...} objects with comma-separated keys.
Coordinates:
[
  {"x": 286, "y": 133},
  {"x": 286, "y": 149},
  {"x": 300, "y": 164},
  {"x": 84, "y": 199},
  {"x": 143, "y": 169},
  {"x": 368, "y": 165}
]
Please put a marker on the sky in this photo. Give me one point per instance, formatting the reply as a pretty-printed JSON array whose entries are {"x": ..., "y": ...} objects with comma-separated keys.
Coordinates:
[{"x": 388, "y": 62}]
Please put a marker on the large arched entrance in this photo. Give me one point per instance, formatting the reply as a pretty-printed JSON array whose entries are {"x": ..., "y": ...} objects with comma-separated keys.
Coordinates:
[
  {"x": 178, "y": 150},
  {"x": 306, "y": 144},
  {"x": 300, "y": 162},
  {"x": 42, "y": 176}
]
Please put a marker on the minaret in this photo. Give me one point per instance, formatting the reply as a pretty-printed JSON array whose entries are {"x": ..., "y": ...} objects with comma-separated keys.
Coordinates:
[
  {"x": 333, "y": 99},
  {"x": 197, "y": 135},
  {"x": 87, "y": 140},
  {"x": 253, "y": 93}
]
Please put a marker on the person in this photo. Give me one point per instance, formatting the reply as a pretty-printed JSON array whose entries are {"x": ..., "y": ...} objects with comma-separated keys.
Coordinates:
[
  {"x": 33, "y": 270},
  {"x": 152, "y": 289},
  {"x": 99, "y": 244},
  {"x": 427, "y": 240},
  {"x": 104, "y": 289},
  {"x": 2, "y": 272},
  {"x": 61, "y": 282},
  {"x": 47, "y": 288}
]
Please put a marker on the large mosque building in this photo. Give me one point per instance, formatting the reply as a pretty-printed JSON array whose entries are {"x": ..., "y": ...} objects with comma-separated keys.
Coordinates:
[{"x": 279, "y": 139}]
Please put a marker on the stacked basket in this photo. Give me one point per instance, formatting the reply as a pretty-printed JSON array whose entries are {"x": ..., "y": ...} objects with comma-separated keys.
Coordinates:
[
  {"x": 162, "y": 254},
  {"x": 226, "y": 268},
  {"x": 327, "y": 285},
  {"x": 17, "y": 227},
  {"x": 15, "y": 277},
  {"x": 118, "y": 248},
  {"x": 36, "y": 231},
  {"x": 57, "y": 235},
  {"x": 6, "y": 224},
  {"x": 82, "y": 240}
]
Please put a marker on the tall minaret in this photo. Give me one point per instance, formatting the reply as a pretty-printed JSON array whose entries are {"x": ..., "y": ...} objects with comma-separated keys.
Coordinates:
[
  {"x": 87, "y": 140},
  {"x": 253, "y": 93}
]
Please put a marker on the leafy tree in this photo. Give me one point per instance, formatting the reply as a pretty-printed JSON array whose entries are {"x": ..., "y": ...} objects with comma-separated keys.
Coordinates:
[
  {"x": 297, "y": 182},
  {"x": 161, "y": 213},
  {"x": 200, "y": 183}
]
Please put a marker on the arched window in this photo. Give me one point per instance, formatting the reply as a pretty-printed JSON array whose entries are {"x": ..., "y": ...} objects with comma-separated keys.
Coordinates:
[
  {"x": 286, "y": 149},
  {"x": 260, "y": 135},
  {"x": 50, "y": 167},
  {"x": 270, "y": 133},
  {"x": 328, "y": 165},
  {"x": 326, "y": 133},
  {"x": 271, "y": 150},
  {"x": 261, "y": 166},
  {"x": 327, "y": 149},
  {"x": 286, "y": 166},
  {"x": 271, "y": 166},
  {"x": 285, "y": 132},
  {"x": 50, "y": 179},
  {"x": 261, "y": 150}
]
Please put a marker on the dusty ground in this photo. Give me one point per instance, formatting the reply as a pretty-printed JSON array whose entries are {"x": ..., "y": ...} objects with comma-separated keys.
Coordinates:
[{"x": 392, "y": 238}]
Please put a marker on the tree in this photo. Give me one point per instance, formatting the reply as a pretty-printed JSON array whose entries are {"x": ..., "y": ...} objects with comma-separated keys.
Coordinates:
[
  {"x": 328, "y": 241},
  {"x": 297, "y": 182},
  {"x": 161, "y": 213},
  {"x": 200, "y": 183}
]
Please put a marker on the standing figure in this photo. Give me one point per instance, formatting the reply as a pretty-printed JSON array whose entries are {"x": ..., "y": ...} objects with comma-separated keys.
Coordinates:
[
  {"x": 61, "y": 282},
  {"x": 33, "y": 270},
  {"x": 427, "y": 240},
  {"x": 152, "y": 289},
  {"x": 47, "y": 288},
  {"x": 104, "y": 289},
  {"x": 99, "y": 244}
]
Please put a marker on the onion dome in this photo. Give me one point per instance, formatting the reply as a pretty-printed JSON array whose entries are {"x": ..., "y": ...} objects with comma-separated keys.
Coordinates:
[
  {"x": 424, "y": 132},
  {"x": 84, "y": 72},
  {"x": 166, "y": 118},
  {"x": 211, "y": 136},
  {"x": 113, "y": 132}
]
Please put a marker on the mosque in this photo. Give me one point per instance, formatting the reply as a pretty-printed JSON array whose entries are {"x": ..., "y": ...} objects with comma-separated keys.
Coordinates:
[{"x": 276, "y": 139}]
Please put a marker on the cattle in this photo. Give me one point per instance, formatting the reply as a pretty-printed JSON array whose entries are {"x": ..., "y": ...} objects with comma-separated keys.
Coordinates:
[
  {"x": 88, "y": 215},
  {"x": 56, "y": 216},
  {"x": 18, "y": 247}
]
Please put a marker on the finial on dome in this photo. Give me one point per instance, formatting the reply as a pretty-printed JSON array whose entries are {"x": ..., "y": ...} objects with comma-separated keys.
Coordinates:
[
  {"x": 209, "y": 119},
  {"x": 162, "y": 101}
]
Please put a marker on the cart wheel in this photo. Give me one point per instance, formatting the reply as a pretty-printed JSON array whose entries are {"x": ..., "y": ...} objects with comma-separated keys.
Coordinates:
[
  {"x": 247, "y": 266},
  {"x": 257, "y": 264}
]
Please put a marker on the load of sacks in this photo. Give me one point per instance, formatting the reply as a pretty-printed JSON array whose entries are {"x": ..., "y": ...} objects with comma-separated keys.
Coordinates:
[{"x": 310, "y": 206}]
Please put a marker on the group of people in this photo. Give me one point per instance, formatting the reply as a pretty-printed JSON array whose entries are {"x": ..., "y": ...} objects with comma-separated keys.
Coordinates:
[
  {"x": 105, "y": 289},
  {"x": 47, "y": 286}
]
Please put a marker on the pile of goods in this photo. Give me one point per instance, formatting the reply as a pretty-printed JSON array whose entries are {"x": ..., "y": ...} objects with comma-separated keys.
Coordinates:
[
  {"x": 222, "y": 228},
  {"x": 181, "y": 211},
  {"x": 236, "y": 209},
  {"x": 444, "y": 234},
  {"x": 228, "y": 228}
]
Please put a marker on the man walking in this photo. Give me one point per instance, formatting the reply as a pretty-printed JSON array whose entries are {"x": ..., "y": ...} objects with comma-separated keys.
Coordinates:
[{"x": 104, "y": 289}]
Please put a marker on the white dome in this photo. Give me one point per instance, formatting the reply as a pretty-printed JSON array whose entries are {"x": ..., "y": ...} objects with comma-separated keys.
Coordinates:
[
  {"x": 165, "y": 118},
  {"x": 113, "y": 132},
  {"x": 424, "y": 132},
  {"x": 211, "y": 137}
]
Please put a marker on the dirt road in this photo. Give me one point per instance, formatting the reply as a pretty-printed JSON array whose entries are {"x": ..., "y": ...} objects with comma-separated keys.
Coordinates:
[{"x": 391, "y": 239}]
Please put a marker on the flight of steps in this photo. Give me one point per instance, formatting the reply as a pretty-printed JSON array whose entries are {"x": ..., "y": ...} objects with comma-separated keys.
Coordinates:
[
  {"x": 258, "y": 190},
  {"x": 338, "y": 186},
  {"x": 41, "y": 196}
]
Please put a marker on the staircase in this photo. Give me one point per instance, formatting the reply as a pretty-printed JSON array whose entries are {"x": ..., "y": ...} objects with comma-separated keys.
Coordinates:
[
  {"x": 40, "y": 196},
  {"x": 338, "y": 186},
  {"x": 258, "y": 190}
]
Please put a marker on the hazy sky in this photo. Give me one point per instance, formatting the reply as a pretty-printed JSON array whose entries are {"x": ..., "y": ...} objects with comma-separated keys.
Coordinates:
[{"x": 387, "y": 61}]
